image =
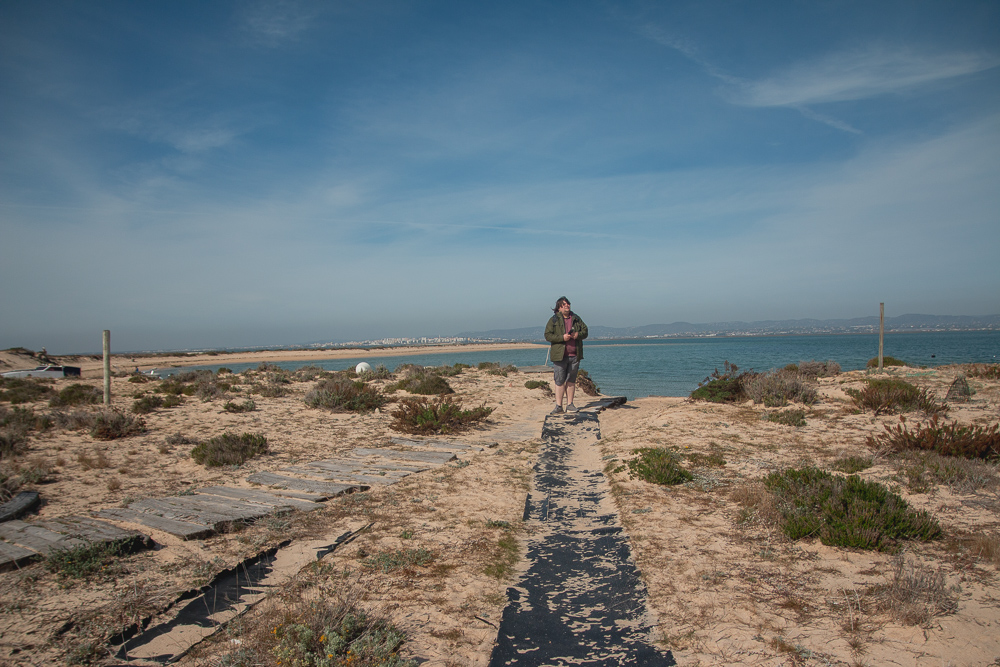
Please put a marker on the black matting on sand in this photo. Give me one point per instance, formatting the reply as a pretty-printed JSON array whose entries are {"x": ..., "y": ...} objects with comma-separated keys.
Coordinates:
[{"x": 581, "y": 601}]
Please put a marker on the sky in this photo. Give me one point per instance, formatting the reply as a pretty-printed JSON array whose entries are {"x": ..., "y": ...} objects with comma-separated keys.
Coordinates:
[{"x": 209, "y": 174}]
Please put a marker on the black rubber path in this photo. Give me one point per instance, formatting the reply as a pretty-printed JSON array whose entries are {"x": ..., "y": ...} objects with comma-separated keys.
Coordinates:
[{"x": 581, "y": 601}]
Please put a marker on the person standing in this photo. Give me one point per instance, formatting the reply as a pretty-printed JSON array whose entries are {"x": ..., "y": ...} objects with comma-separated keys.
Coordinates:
[{"x": 565, "y": 331}]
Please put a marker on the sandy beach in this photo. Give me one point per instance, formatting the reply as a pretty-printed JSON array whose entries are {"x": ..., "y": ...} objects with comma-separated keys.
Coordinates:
[{"x": 725, "y": 586}]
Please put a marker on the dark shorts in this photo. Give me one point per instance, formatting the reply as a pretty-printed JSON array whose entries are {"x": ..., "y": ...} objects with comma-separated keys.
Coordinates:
[{"x": 565, "y": 371}]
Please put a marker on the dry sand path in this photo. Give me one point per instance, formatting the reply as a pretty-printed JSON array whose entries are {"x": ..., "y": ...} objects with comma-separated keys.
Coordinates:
[{"x": 580, "y": 600}]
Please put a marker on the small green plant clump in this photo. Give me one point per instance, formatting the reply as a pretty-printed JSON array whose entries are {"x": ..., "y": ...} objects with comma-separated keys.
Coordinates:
[
  {"x": 24, "y": 418},
  {"x": 496, "y": 368},
  {"x": 852, "y": 464},
  {"x": 87, "y": 559},
  {"x": 923, "y": 470},
  {"x": 389, "y": 561},
  {"x": 424, "y": 383},
  {"x": 503, "y": 558},
  {"x": 776, "y": 388},
  {"x": 725, "y": 387},
  {"x": 344, "y": 636},
  {"x": 25, "y": 390},
  {"x": 846, "y": 511},
  {"x": 440, "y": 415},
  {"x": 539, "y": 384},
  {"x": 341, "y": 394},
  {"x": 147, "y": 404},
  {"x": 971, "y": 442},
  {"x": 113, "y": 424},
  {"x": 229, "y": 449},
  {"x": 658, "y": 466},
  {"x": 77, "y": 394},
  {"x": 787, "y": 417},
  {"x": 891, "y": 395},
  {"x": 815, "y": 368},
  {"x": 380, "y": 372},
  {"x": 886, "y": 361},
  {"x": 246, "y": 406},
  {"x": 586, "y": 384}
]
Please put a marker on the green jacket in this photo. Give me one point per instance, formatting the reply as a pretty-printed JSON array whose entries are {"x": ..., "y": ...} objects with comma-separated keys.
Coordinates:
[{"x": 554, "y": 331}]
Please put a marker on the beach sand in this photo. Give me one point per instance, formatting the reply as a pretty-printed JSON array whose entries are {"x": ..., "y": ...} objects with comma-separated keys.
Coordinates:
[{"x": 724, "y": 585}]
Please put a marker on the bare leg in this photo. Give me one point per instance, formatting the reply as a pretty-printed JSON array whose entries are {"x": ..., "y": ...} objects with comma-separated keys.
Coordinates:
[
  {"x": 560, "y": 389},
  {"x": 570, "y": 391}
]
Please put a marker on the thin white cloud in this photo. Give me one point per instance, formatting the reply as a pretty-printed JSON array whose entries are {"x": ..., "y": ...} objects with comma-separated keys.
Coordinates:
[
  {"x": 276, "y": 22},
  {"x": 859, "y": 74}
]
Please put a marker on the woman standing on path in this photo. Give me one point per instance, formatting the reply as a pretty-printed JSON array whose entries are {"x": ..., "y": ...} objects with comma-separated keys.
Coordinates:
[{"x": 565, "y": 331}]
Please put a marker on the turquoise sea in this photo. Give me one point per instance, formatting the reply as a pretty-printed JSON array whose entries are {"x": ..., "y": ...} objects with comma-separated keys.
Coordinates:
[{"x": 674, "y": 367}]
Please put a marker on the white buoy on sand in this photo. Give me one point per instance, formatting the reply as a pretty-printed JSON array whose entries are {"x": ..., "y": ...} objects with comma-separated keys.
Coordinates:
[{"x": 362, "y": 367}]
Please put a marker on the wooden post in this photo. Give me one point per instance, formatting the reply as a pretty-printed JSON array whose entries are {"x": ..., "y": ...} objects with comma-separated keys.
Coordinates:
[
  {"x": 107, "y": 367},
  {"x": 881, "y": 332}
]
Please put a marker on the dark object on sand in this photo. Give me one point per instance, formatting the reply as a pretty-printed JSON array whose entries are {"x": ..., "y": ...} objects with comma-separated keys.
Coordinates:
[{"x": 960, "y": 391}]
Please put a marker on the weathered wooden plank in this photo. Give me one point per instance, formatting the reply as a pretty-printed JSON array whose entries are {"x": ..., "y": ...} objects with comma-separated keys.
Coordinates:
[
  {"x": 366, "y": 480},
  {"x": 92, "y": 530},
  {"x": 299, "y": 495},
  {"x": 204, "y": 509},
  {"x": 328, "y": 489},
  {"x": 438, "y": 458},
  {"x": 13, "y": 556},
  {"x": 36, "y": 538},
  {"x": 257, "y": 496},
  {"x": 435, "y": 444},
  {"x": 178, "y": 512},
  {"x": 19, "y": 505},
  {"x": 360, "y": 466},
  {"x": 185, "y": 530}
]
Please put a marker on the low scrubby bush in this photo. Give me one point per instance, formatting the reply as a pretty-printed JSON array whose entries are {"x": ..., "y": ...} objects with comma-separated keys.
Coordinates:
[
  {"x": 13, "y": 441},
  {"x": 982, "y": 371},
  {"x": 846, "y": 511},
  {"x": 815, "y": 368},
  {"x": 25, "y": 390},
  {"x": 495, "y": 368},
  {"x": 891, "y": 395},
  {"x": 246, "y": 406},
  {"x": 852, "y": 464},
  {"x": 725, "y": 387},
  {"x": 886, "y": 361},
  {"x": 923, "y": 470},
  {"x": 971, "y": 442},
  {"x": 229, "y": 449},
  {"x": 24, "y": 418},
  {"x": 113, "y": 424},
  {"x": 539, "y": 384},
  {"x": 788, "y": 417},
  {"x": 380, "y": 372},
  {"x": 400, "y": 559},
  {"x": 340, "y": 394},
  {"x": 440, "y": 415},
  {"x": 85, "y": 560},
  {"x": 658, "y": 466},
  {"x": 147, "y": 404},
  {"x": 776, "y": 388},
  {"x": 77, "y": 394},
  {"x": 425, "y": 383},
  {"x": 138, "y": 379}
]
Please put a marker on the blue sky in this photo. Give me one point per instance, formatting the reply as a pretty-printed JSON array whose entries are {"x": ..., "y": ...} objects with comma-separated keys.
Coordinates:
[{"x": 226, "y": 174}]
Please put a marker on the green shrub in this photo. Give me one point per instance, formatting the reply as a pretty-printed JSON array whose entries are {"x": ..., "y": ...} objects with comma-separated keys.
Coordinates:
[
  {"x": 725, "y": 387},
  {"x": 586, "y": 384},
  {"x": 147, "y": 404},
  {"x": 24, "y": 418},
  {"x": 222, "y": 369},
  {"x": 380, "y": 372},
  {"x": 246, "y": 406},
  {"x": 426, "y": 383},
  {"x": 658, "y": 466},
  {"x": 13, "y": 441},
  {"x": 113, "y": 424},
  {"x": 539, "y": 384},
  {"x": 971, "y": 442},
  {"x": 341, "y": 394},
  {"x": 495, "y": 368},
  {"x": 229, "y": 449},
  {"x": 788, "y": 417},
  {"x": 846, "y": 511},
  {"x": 440, "y": 415},
  {"x": 886, "y": 361},
  {"x": 886, "y": 396},
  {"x": 389, "y": 561},
  {"x": 921, "y": 470},
  {"x": 87, "y": 559},
  {"x": 138, "y": 379},
  {"x": 777, "y": 388},
  {"x": 852, "y": 464},
  {"x": 172, "y": 401},
  {"x": 25, "y": 390},
  {"x": 77, "y": 394}
]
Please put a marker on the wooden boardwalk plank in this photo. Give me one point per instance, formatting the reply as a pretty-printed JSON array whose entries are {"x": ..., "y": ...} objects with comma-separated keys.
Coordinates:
[
  {"x": 438, "y": 458},
  {"x": 92, "y": 530},
  {"x": 203, "y": 509},
  {"x": 435, "y": 444},
  {"x": 371, "y": 471},
  {"x": 13, "y": 556},
  {"x": 257, "y": 496},
  {"x": 37, "y": 538},
  {"x": 364, "y": 480},
  {"x": 183, "y": 529},
  {"x": 328, "y": 489},
  {"x": 19, "y": 505}
]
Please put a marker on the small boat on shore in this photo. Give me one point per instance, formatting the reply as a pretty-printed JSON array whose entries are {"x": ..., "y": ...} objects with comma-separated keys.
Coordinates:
[{"x": 46, "y": 371}]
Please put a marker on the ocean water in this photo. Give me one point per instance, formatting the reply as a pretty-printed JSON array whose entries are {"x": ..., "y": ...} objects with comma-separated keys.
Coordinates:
[{"x": 674, "y": 367}]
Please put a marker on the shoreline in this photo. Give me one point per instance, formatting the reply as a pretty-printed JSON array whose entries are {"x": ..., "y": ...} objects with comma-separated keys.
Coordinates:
[{"x": 89, "y": 366}]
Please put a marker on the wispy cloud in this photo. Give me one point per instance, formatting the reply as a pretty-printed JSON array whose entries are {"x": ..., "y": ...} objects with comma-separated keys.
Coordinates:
[
  {"x": 859, "y": 74},
  {"x": 275, "y": 22}
]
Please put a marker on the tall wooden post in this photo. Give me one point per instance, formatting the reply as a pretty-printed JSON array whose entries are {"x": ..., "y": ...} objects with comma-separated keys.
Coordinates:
[
  {"x": 881, "y": 332},
  {"x": 107, "y": 367}
]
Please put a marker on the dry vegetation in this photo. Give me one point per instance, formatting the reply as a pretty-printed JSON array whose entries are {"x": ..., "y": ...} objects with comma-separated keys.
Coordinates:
[{"x": 436, "y": 551}]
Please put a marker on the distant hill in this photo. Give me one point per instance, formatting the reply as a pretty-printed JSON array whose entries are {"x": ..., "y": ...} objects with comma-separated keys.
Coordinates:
[{"x": 910, "y": 322}]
